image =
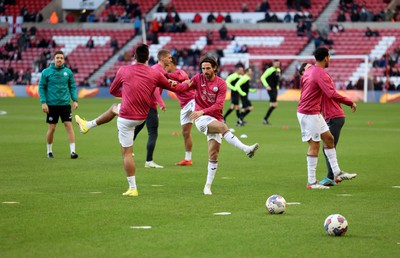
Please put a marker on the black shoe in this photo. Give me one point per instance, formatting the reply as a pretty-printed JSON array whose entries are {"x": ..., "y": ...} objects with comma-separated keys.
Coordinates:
[
  {"x": 74, "y": 155},
  {"x": 265, "y": 122},
  {"x": 239, "y": 123},
  {"x": 50, "y": 155}
]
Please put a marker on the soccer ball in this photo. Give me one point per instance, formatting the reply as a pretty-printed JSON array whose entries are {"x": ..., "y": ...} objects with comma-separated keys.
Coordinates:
[
  {"x": 335, "y": 225},
  {"x": 276, "y": 204}
]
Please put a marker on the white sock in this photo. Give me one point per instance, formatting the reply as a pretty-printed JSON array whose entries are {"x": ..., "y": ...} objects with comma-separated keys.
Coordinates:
[
  {"x": 312, "y": 162},
  {"x": 91, "y": 124},
  {"x": 233, "y": 140},
  {"x": 188, "y": 155},
  {"x": 331, "y": 154},
  {"x": 49, "y": 148},
  {"x": 132, "y": 182},
  {"x": 72, "y": 147},
  {"x": 212, "y": 169}
]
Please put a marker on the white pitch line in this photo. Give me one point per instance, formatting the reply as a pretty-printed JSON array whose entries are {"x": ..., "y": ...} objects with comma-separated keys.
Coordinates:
[
  {"x": 141, "y": 227},
  {"x": 225, "y": 177},
  {"x": 2, "y": 112},
  {"x": 396, "y": 186},
  {"x": 156, "y": 185},
  {"x": 293, "y": 203},
  {"x": 224, "y": 213},
  {"x": 10, "y": 202},
  {"x": 344, "y": 195},
  {"x": 95, "y": 192}
]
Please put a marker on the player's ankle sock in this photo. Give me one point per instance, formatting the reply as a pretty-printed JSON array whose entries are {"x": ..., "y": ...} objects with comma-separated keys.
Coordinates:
[
  {"x": 49, "y": 148},
  {"x": 312, "y": 162},
  {"x": 188, "y": 155},
  {"x": 91, "y": 124},
  {"x": 131, "y": 181},
  {"x": 72, "y": 147},
  {"x": 212, "y": 169},
  {"x": 233, "y": 140},
  {"x": 331, "y": 154}
]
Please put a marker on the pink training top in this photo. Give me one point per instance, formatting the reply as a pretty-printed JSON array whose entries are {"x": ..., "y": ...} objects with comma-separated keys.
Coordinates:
[
  {"x": 136, "y": 85},
  {"x": 315, "y": 83},
  {"x": 181, "y": 76},
  {"x": 157, "y": 99},
  {"x": 209, "y": 95},
  {"x": 331, "y": 108}
]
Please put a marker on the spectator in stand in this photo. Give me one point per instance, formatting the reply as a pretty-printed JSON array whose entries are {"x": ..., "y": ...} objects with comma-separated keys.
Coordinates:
[
  {"x": 110, "y": 18},
  {"x": 90, "y": 43},
  {"x": 211, "y": 18},
  {"x": 9, "y": 46},
  {"x": 341, "y": 17},
  {"x": 245, "y": 8},
  {"x": 228, "y": 18},
  {"x": 70, "y": 18},
  {"x": 83, "y": 17},
  {"x": 301, "y": 29},
  {"x": 161, "y": 8},
  {"x": 137, "y": 25},
  {"x": 114, "y": 44},
  {"x": 220, "y": 18},
  {"x": 264, "y": 6},
  {"x": 355, "y": 16},
  {"x": 177, "y": 18},
  {"x": 365, "y": 15},
  {"x": 169, "y": 18},
  {"x": 209, "y": 38},
  {"x": 287, "y": 18},
  {"x": 2, "y": 8},
  {"x": 223, "y": 33},
  {"x": 244, "y": 49},
  {"x": 297, "y": 6},
  {"x": 370, "y": 33},
  {"x": 197, "y": 18}
]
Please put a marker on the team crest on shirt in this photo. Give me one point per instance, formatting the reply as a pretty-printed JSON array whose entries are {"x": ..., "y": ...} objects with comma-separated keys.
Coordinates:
[
  {"x": 215, "y": 88},
  {"x": 65, "y": 74}
]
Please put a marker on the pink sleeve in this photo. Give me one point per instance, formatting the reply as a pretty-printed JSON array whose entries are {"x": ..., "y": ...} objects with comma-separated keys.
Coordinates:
[
  {"x": 329, "y": 89},
  {"x": 115, "y": 88},
  {"x": 157, "y": 96}
]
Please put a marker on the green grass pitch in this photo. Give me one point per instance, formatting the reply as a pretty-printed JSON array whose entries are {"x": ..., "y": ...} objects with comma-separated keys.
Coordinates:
[{"x": 74, "y": 208}]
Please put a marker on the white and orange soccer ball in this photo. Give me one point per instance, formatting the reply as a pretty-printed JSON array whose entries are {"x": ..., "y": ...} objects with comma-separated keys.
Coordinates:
[
  {"x": 276, "y": 204},
  {"x": 335, "y": 225}
]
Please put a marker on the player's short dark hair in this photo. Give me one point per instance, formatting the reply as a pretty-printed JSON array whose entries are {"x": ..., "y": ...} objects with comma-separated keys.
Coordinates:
[
  {"x": 321, "y": 53},
  {"x": 58, "y": 52},
  {"x": 238, "y": 65},
  {"x": 174, "y": 60},
  {"x": 247, "y": 69},
  {"x": 142, "y": 53},
  {"x": 209, "y": 59},
  {"x": 162, "y": 53},
  {"x": 302, "y": 68}
]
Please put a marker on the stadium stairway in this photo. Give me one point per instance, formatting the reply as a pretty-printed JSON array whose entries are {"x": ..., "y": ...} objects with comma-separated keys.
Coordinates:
[{"x": 322, "y": 21}]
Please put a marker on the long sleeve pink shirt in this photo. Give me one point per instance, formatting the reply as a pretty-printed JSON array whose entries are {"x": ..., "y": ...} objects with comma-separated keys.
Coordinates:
[
  {"x": 209, "y": 95},
  {"x": 136, "y": 85},
  {"x": 181, "y": 76},
  {"x": 315, "y": 83},
  {"x": 157, "y": 99}
]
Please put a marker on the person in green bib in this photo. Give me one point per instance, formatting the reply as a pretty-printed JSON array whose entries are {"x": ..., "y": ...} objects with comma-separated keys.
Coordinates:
[{"x": 270, "y": 79}]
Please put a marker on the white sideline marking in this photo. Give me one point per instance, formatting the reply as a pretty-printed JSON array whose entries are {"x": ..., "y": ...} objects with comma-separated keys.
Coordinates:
[
  {"x": 10, "y": 202},
  {"x": 293, "y": 203},
  {"x": 156, "y": 185},
  {"x": 224, "y": 213},
  {"x": 225, "y": 177},
  {"x": 141, "y": 227},
  {"x": 396, "y": 186},
  {"x": 95, "y": 192},
  {"x": 344, "y": 195},
  {"x": 2, "y": 112}
]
